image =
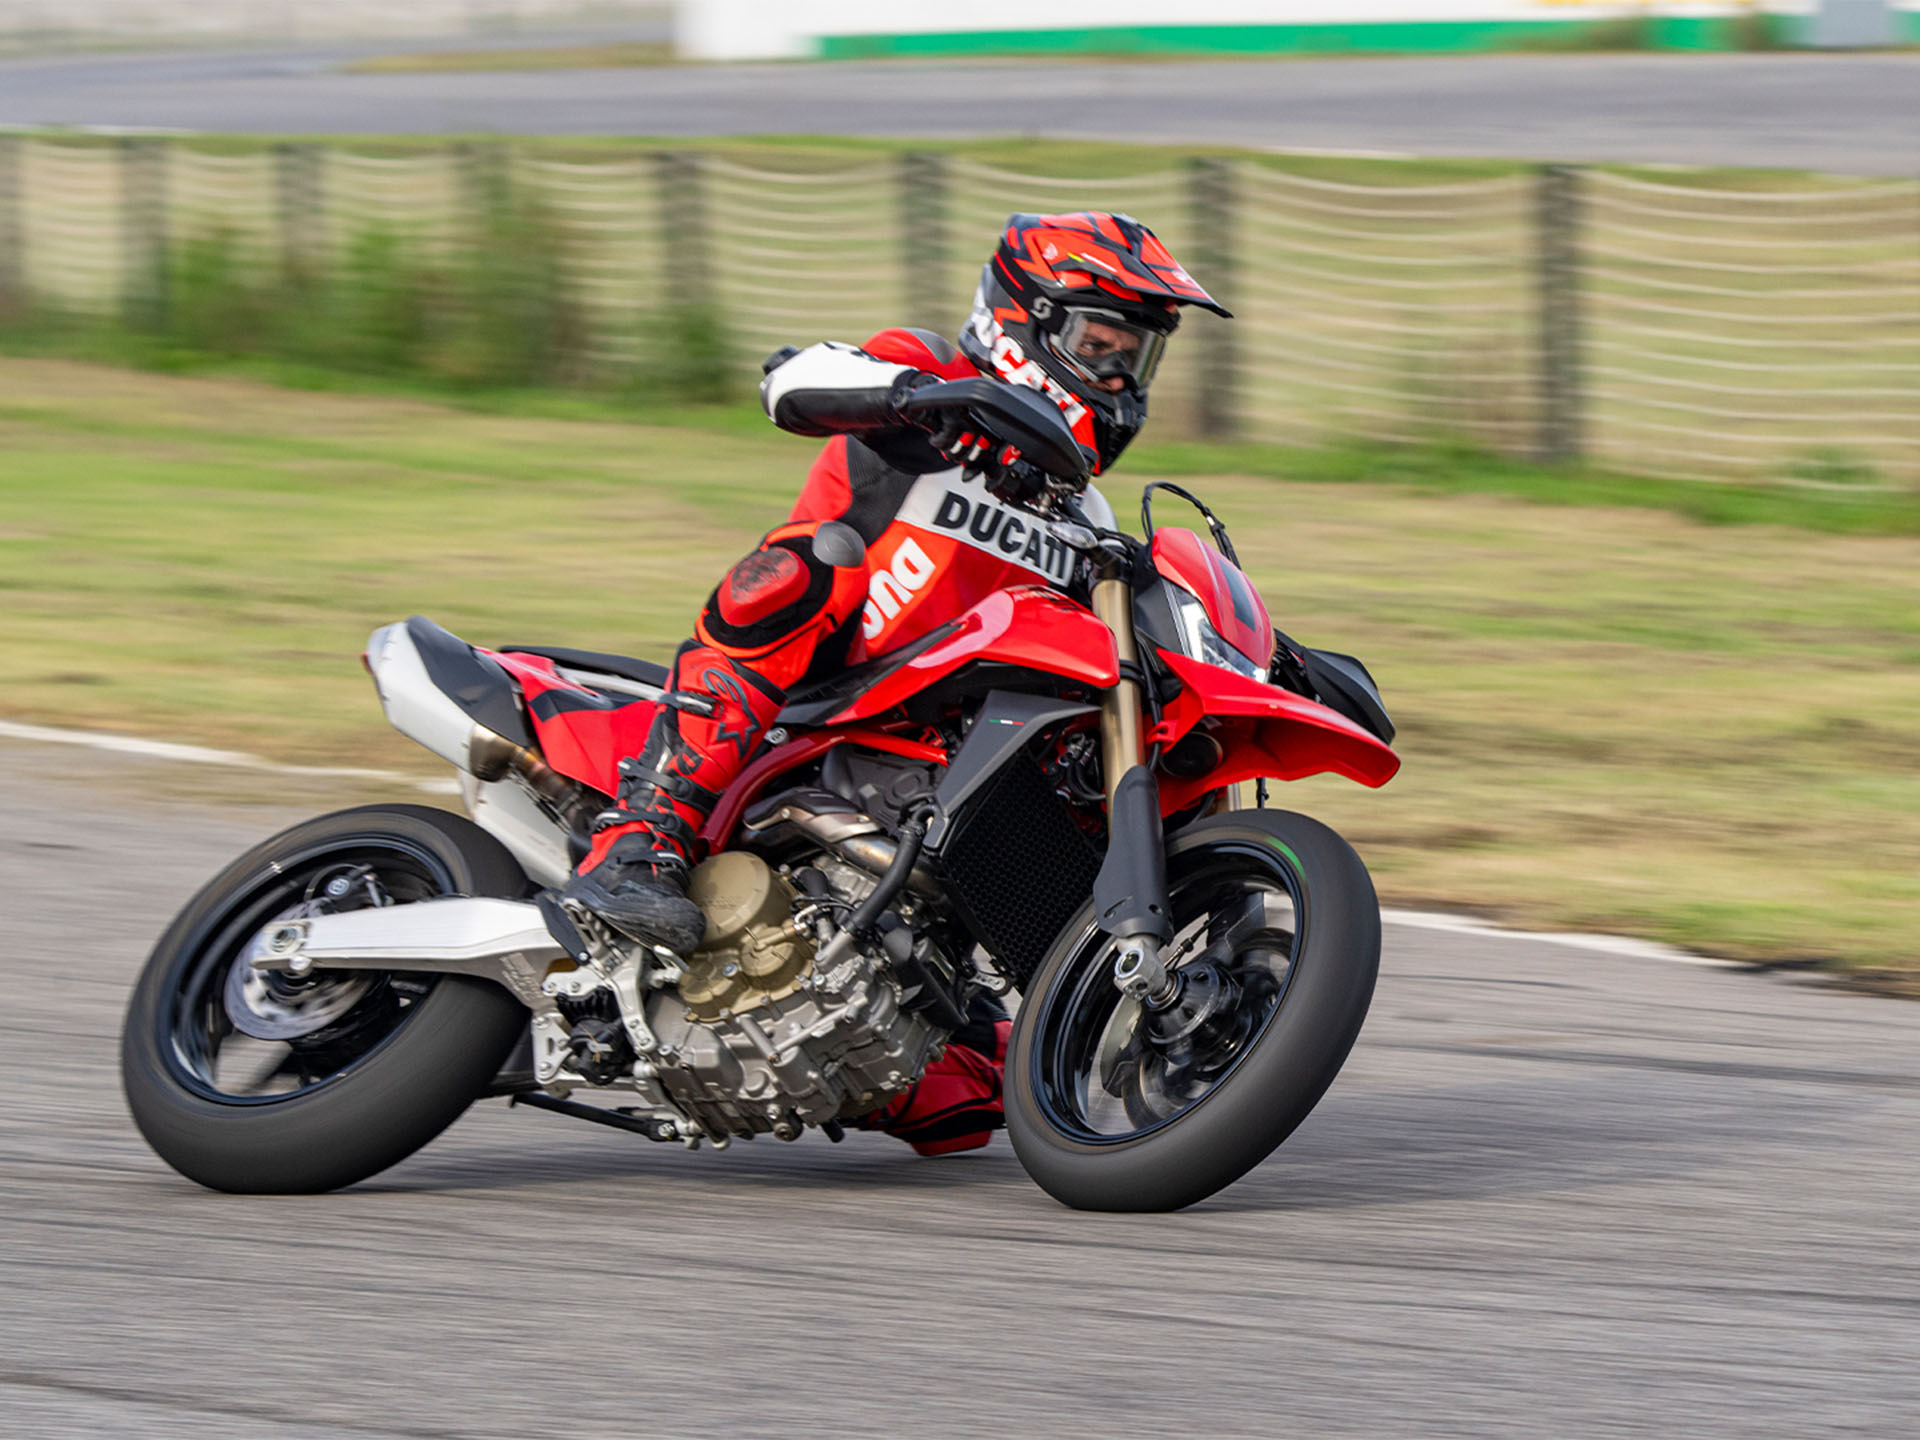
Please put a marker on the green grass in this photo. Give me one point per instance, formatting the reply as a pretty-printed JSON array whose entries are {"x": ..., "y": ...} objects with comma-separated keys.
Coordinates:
[
  {"x": 1433, "y": 468},
  {"x": 1437, "y": 469},
  {"x": 1449, "y": 470},
  {"x": 1612, "y": 717}
]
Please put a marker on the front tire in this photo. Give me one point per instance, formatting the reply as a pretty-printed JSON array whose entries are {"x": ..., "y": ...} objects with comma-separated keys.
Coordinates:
[
  {"x": 255, "y": 1086},
  {"x": 1113, "y": 1107}
]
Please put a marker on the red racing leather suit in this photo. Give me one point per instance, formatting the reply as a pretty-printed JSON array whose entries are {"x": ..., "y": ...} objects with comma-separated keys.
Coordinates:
[{"x": 936, "y": 544}]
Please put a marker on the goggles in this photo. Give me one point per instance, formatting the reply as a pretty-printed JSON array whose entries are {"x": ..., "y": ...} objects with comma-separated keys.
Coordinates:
[{"x": 1105, "y": 345}]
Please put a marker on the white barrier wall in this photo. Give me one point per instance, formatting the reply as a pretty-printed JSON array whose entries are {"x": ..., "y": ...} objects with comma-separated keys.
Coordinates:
[{"x": 741, "y": 29}]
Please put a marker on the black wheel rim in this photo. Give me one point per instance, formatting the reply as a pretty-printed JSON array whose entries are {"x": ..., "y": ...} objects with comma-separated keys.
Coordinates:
[
  {"x": 1109, "y": 1070},
  {"x": 352, "y": 1015}
]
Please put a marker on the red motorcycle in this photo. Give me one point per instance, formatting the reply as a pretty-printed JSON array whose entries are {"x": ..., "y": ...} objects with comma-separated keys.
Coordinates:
[{"x": 1040, "y": 796}]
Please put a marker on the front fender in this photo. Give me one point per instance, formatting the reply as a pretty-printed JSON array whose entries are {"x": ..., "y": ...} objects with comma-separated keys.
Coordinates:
[{"x": 1264, "y": 733}]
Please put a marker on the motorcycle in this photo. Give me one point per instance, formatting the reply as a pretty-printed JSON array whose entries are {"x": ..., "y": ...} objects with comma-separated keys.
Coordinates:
[{"x": 1039, "y": 796}]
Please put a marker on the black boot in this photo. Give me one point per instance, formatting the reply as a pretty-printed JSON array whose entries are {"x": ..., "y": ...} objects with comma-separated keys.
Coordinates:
[
  {"x": 641, "y": 891},
  {"x": 635, "y": 876}
]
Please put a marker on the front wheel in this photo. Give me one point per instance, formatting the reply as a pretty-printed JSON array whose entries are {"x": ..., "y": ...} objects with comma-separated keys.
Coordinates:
[
  {"x": 1117, "y": 1105},
  {"x": 266, "y": 1083}
]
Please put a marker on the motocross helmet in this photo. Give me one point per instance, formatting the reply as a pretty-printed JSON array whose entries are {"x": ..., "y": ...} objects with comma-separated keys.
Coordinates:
[{"x": 1080, "y": 307}]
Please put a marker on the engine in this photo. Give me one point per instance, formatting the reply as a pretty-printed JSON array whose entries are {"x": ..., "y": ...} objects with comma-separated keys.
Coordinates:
[
  {"x": 760, "y": 1036},
  {"x": 779, "y": 1020}
]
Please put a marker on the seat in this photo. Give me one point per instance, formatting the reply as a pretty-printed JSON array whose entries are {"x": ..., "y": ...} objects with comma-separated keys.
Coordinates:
[{"x": 472, "y": 681}]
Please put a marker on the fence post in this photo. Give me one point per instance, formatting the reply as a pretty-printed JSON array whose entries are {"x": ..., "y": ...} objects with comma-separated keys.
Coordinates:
[
  {"x": 700, "y": 364},
  {"x": 143, "y": 232},
  {"x": 300, "y": 208},
  {"x": 486, "y": 178},
  {"x": 684, "y": 230},
  {"x": 13, "y": 259},
  {"x": 924, "y": 250},
  {"x": 1561, "y": 339},
  {"x": 1212, "y": 212}
]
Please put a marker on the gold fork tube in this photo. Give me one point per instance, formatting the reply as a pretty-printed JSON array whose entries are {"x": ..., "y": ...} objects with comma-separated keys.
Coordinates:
[{"x": 1122, "y": 745}]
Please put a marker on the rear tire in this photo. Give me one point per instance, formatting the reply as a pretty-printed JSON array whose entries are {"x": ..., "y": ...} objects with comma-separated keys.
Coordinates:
[
  {"x": 1173, "y": 1149},
  {"x": 408, "y": 1064}
]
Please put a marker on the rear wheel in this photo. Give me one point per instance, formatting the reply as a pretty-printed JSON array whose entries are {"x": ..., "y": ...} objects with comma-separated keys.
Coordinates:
[
  {"x": 259, "y": 1082},
  {"x": 1113, "y": 1104}
]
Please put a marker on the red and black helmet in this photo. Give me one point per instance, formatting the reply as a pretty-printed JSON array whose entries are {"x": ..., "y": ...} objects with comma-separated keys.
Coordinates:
[{"x": 1080, "y": 306}]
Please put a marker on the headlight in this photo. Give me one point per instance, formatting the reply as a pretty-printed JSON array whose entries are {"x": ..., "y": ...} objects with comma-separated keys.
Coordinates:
[{"x": 1202, "y": 642}]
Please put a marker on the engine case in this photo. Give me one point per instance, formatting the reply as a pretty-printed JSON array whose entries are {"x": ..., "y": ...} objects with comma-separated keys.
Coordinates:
[
  {"x": 752, "y": 954},
  {"x": 781, "y": 1043}
]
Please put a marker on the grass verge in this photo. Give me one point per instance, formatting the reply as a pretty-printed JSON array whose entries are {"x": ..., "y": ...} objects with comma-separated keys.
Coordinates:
[
  {"x": 1612, "y": 718},
  {"x": 1445, "y": 469},
  {"x": 686, "y": 402}
]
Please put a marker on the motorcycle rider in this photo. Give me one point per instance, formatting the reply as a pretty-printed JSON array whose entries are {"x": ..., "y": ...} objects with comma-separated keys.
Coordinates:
[{"x": 1077, "y": 306}]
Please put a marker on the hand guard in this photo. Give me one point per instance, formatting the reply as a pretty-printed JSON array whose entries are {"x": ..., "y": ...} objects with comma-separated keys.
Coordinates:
[{"x": 1013, "y": 438}]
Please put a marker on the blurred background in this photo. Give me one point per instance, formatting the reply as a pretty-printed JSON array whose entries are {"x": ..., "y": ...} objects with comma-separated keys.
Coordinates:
[{"x": 1575, "y": 379}]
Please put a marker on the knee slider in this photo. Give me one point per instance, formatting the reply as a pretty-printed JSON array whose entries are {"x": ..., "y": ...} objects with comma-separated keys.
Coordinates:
[
  {"x": 768, "y": 597},
  {"x": 763, "y": 584}
]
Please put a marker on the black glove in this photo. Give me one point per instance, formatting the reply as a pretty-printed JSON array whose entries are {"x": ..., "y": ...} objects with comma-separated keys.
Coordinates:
[
  {"x": 967, "y": 438},
  {"x": 970, "y": 443},
  {"x": 1015, "y": 438}
]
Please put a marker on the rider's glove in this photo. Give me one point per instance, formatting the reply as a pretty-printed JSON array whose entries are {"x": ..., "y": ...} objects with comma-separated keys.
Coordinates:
[
  {"x": 831, "y": 389},
  {"x": 969, "y": 444},
  {"x": 1013, "y": 438},
  {"x": 967, "y": 439}
]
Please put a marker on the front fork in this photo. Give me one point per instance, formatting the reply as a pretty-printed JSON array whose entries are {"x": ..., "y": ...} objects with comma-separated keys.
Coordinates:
[{"x": 1130, "y": 894}]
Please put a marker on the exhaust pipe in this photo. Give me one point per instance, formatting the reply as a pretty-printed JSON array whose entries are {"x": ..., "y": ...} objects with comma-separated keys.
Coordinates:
[
  {"x": 853, "y": 836},
  {"x": 505, "y": 941}
]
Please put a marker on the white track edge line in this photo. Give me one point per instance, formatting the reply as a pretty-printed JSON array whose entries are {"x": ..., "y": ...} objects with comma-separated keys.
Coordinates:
[
  {"x": 202, "y": 755},
  {"x": 239, "y": 760},
  {"x": 1622, "y": 945}
]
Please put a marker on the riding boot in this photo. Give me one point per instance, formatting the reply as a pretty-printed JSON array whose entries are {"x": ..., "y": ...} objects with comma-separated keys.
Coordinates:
[{"x": 635, "y": 874}]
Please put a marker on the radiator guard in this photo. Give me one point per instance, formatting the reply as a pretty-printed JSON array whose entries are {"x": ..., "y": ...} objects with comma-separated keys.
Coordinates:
[{"x": 1017, "y": 867}]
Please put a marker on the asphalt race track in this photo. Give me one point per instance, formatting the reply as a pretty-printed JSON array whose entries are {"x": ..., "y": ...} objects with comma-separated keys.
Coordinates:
[
  {"x": 1844, "y": 112},
  {"x": 1556, "y": 1192}
]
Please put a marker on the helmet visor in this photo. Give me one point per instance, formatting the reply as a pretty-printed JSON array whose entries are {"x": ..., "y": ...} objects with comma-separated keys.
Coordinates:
[{"x": 1104, "y": 345}]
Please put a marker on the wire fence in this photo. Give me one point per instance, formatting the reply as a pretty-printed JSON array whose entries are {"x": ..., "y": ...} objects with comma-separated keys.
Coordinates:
[
  {"x": 1730, "y": 330},
  {"x": 1750, "y": 327}
]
